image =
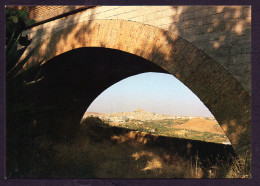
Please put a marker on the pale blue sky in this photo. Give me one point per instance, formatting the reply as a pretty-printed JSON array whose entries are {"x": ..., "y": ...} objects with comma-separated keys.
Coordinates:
[{"x": 153, "y": 92}]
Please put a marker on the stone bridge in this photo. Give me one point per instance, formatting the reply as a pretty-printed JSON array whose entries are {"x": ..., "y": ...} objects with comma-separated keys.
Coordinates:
[{"x": 84, "y": 50}]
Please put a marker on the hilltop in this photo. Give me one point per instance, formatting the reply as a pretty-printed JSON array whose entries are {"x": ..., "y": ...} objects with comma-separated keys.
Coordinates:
[{"x": 138, "y": 114}]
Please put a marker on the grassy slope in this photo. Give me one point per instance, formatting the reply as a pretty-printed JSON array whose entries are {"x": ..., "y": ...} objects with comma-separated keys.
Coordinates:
[{"x": 111, "y": 152}]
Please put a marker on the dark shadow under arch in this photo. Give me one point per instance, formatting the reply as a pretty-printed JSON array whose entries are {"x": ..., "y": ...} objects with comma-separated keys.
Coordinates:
[
  {"x": 215, "y": 86},
  {"x": 74, "y": 79}
]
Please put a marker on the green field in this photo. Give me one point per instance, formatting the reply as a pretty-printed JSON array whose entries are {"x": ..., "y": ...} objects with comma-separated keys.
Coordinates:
[{"x": 165, "y": 127}]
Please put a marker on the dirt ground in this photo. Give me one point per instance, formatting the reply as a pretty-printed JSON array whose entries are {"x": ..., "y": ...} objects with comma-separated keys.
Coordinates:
[{"x": 201, "y": 125}]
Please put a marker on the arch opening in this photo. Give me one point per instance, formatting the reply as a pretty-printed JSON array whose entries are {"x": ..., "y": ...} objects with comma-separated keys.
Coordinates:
[
  {"x": 211, "y": 82},
  {"x": 74, "y": 79},
  {"x": 159, "y": 104},
  {"x": 77, "y": 77}
]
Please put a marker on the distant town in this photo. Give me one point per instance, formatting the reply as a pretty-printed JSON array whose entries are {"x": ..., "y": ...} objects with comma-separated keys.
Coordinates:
[
  {"x": 138, "y": 114},
  {"x": 189, "y": 127}
]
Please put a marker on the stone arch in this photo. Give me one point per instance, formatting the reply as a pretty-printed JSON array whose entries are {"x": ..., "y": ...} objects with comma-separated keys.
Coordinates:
[{"x": 224, "y": 96}]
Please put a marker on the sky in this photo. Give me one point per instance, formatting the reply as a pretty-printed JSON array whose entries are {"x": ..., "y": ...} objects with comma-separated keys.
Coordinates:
[{"x": 154, "y": 92}]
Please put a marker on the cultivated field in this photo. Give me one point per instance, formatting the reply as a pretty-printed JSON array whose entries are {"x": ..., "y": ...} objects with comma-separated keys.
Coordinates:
[{"x": 196, "y": 128}]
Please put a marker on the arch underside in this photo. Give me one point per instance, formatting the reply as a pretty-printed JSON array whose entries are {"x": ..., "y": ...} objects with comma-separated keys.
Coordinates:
[{"x": 216, "y": 87}]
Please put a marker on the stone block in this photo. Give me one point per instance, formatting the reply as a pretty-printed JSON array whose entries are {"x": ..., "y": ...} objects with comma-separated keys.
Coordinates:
[
  {"x": 100, "y": 9},
  {"x": 247, "y": 11},
  {"x": 186, "y": 24},
  {"x": 128, "y": 15},
  {"x": 166, "y": 8},
  {"x": 246, "y": 49},
  {"x": 241, "y": 58},
  {"x": 139, "y": 19},
  {"x": 112, "y": 17},
  {"x": 126, "y": 9},
  {"x": 101, "y": 15},
  {"x": 198, "y": 13},
  {"x": 154, "y": 16},
  {"x": 168, "y": 20},
  {"x": 156, "y": 22},
  {"x": 110, "y": 13},
  {"x": 150, "y": 9}
]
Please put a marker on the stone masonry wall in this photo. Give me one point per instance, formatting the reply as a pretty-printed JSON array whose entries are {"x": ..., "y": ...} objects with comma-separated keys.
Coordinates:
[
  {"x": 223, "y": 32},
  {"x": 217, "y": 88},
  {"x": 207, "y": 48},
  {"x": 42, "y": 13}
]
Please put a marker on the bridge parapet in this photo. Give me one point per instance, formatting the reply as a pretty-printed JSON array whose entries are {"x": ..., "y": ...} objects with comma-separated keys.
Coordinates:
[{"x": 223, "y": 32}]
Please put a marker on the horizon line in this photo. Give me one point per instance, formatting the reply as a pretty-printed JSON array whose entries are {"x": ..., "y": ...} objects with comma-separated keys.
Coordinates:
[{"x": 149, "y": 112}]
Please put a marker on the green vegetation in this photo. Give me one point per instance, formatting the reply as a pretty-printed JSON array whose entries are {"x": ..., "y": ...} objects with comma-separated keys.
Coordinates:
[
  {"x": 21, "y": 133},
  {"x": 29, "y": 138},
  {"x": 94, "y": 154},
  {"x": 165, "y": 128}
]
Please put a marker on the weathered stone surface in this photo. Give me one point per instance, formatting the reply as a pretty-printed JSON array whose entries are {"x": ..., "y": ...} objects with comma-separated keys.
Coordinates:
[
  {"x": 212, "y": 82},
  {"x": 210, "y": 28}
]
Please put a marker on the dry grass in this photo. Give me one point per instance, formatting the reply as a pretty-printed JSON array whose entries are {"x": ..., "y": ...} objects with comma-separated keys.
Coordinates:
[
  {"x": 128, "y": 160},
  {"x": 126, "y": 155},
  {"x": 201, "y": 125},
  {"x": 122, "y": 160},
  {"x": 241, "y": 167}
]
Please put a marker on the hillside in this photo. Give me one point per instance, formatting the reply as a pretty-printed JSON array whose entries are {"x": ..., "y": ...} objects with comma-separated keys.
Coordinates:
[
  {"x": 114, "y": 152},
  {"x": 202, "y": 125},
  {"x": 189, "y": 127},
  {"x": 138, "y": 114}
]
